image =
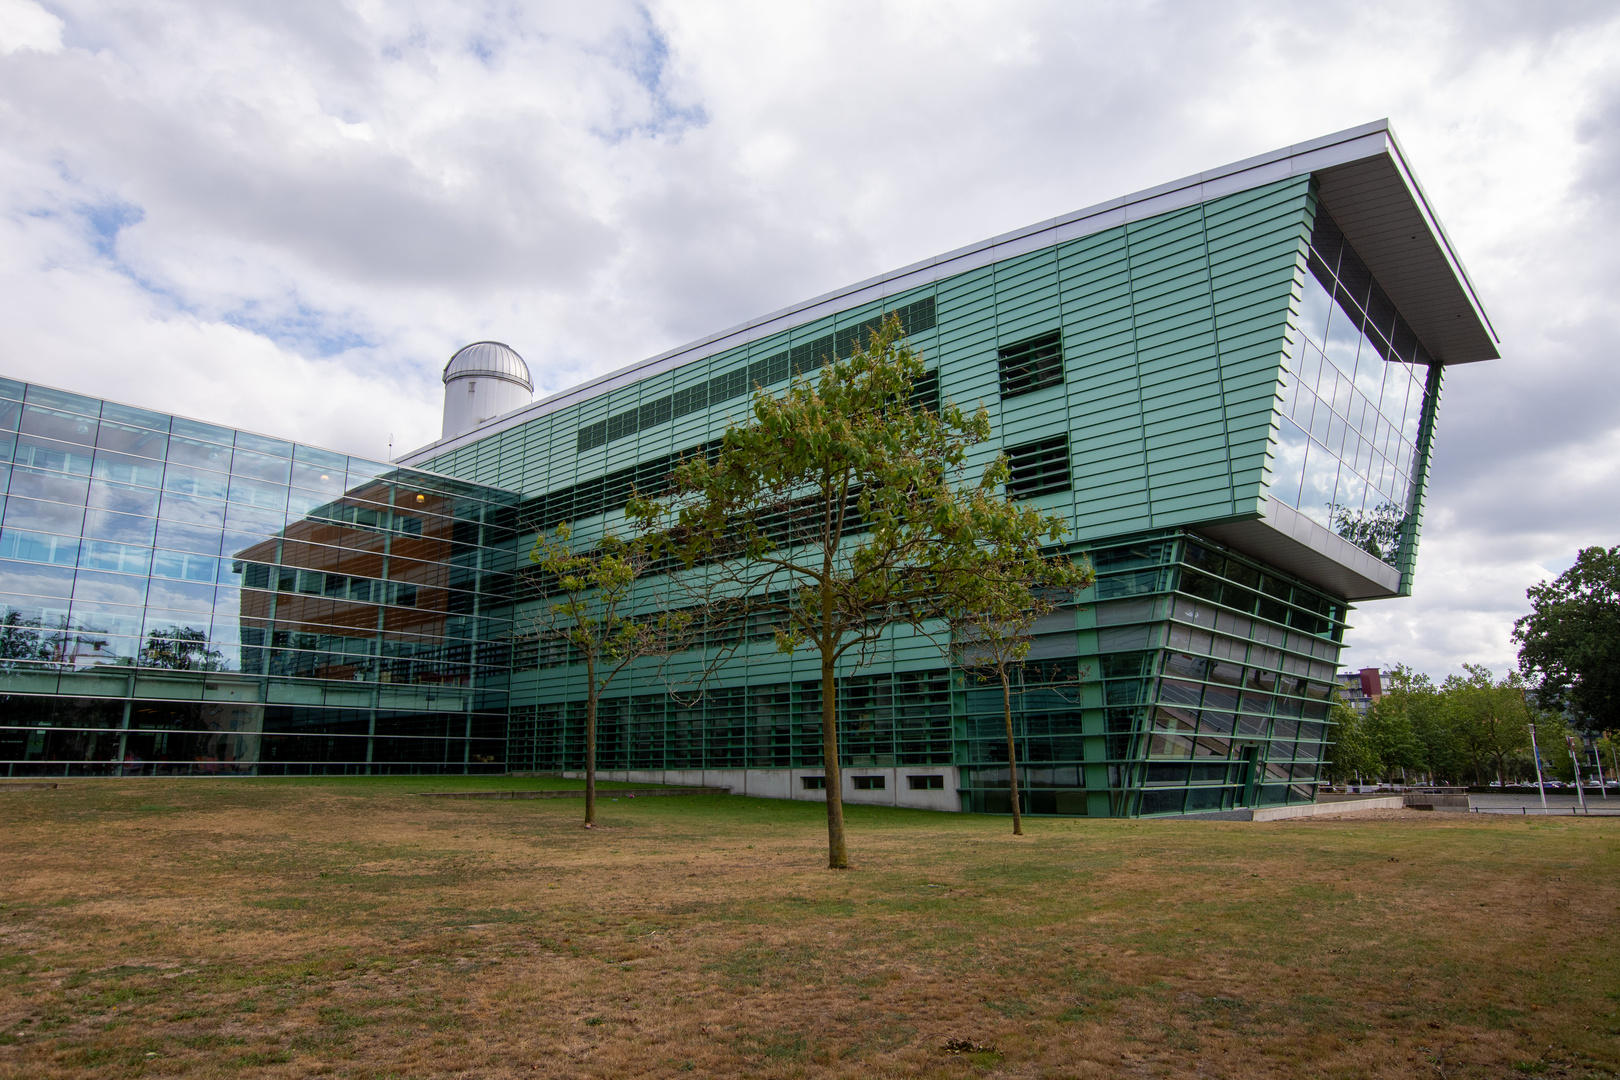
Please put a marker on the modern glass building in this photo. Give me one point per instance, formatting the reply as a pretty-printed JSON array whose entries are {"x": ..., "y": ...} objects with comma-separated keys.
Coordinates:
[
  {"x": 1228, "y": 384},
  {"x": 177, "y": 597}
]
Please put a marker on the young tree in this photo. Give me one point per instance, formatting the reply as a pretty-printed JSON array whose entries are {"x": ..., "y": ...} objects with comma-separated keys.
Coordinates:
[
  {"x": 836, "y": 513},
  {"x": 1570, "y": 641},
  {"x": 992, "y": 601},
  {"x": 596, "y": 617}
]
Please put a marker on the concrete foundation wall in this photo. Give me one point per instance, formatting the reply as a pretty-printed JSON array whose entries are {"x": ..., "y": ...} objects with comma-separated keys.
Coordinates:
[
  {"x": 1280, "y": 813},
  {"x": 789, "y": 784}
]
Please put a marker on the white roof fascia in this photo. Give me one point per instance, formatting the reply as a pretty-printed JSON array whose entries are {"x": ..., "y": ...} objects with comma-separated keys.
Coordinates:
[{"x": 1421, "y": 198}]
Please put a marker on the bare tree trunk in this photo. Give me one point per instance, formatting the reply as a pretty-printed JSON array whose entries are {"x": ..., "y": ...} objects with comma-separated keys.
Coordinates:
[
  {"x": 590, "y": 741},
  {"x": 837, "y": 854},
  {"x": 1012, "y": 753}
]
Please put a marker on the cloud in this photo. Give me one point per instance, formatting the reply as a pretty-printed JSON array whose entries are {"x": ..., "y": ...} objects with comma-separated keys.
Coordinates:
[
  {"x": 288, "y": 216},
  {"x": 26, "y": 25}
]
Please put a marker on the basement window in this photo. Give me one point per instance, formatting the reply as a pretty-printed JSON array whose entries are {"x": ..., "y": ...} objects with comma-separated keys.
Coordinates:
[
  {"x": 926, "y": 783},
  {"x": 814, "y": 783},
  {"x": 1038, "y": 468},
  {"x": 1032, "y": 364},
  {"x": 868, "y": 783}
]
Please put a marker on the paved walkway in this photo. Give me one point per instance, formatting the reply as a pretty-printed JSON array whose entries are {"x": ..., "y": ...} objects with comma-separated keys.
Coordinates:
[{"x": 1558, "y": 802}]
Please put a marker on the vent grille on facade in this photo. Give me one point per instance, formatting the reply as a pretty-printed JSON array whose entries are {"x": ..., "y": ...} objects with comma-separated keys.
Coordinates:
[
  {"x": 1038, "y": 468},
  {"x": 798, "y": 360},
  {"x": 1031, "y": 365},
  {"x": 925, "y": 392}
]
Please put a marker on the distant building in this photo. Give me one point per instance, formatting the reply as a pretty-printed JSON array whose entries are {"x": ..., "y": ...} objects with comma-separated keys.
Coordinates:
[
  {"x": 1360, "y": 689},
  {"x": 1228, "y": 385}
]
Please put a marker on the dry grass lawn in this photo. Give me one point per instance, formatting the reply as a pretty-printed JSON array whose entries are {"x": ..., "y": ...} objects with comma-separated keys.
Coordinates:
[{"x": 347, "y": 928}]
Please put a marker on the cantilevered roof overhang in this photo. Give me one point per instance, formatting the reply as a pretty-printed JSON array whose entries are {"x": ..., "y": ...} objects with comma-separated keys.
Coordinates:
[
  {"x": 1362, "y": 177},
  {"x": 1376, "y": 200}
]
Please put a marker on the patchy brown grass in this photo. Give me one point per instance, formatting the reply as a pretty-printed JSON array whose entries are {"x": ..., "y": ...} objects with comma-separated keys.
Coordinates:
[{"x": 345, "y": 928}]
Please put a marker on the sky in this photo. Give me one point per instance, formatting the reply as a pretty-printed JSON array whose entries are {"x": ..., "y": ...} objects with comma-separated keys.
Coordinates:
[{"x": 286, "y": 217}]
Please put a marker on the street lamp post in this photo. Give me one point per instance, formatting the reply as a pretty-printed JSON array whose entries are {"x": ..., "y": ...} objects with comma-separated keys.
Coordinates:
[
  {"x": 1535, "y": 752},
  {"x": 1575, "y": 763}
]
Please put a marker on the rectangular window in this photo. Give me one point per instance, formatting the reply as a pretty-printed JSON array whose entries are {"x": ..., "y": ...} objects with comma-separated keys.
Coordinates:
[
  {"x": 925, "y": 783},
  {"x": 653, "y": 413},
  {"x": 692, "y": 399},
  {"x": 772, "y": 369},
  {"x": 868, "y": 783},
  {"x": 1039, "y": 468},
  {"x": 725, "y": 387},
  {"x": 1032, "y": 364},
  {"x": 622, "y": 425},
  {"x": 814, "y": 783},
  {"x": 593, "y": 435}
]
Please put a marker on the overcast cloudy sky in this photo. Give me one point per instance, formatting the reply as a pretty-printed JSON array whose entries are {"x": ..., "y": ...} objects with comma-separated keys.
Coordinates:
[{"x": 285, "y": 216}]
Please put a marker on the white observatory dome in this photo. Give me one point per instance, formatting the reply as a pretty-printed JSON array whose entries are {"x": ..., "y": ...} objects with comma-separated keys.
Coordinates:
[{"x": 482, "y": 381}]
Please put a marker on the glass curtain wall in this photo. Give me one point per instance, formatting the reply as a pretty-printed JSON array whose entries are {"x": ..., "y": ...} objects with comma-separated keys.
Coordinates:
[
  {"x": 1202, "y": 685},
  {"x": 1347, "y": 446},
  {"x": 179, "y": 597}
]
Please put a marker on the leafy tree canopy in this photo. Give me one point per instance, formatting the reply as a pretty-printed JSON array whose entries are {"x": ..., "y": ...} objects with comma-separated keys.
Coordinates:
[
  {"x": 1570, "y": 642},
  {"x": 842, "y": 509}
]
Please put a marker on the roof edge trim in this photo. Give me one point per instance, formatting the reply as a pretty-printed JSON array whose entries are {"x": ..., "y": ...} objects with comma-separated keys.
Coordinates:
[{"x": 1299, "y": 159}]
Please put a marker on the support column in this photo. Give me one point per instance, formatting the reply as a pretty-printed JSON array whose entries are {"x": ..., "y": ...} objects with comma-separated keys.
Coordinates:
[{"x": 1420, "y": 478}]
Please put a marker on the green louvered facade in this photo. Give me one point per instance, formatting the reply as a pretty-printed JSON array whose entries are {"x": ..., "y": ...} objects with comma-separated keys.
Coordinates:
[
  {"x": 1173, "y": 330},
  {"x": 1197, "y": 361}
]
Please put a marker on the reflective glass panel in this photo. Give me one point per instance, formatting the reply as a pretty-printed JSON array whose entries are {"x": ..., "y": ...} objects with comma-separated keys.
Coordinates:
[
  {"x": 57, "y": 487},
  {"x": 56, "y": 424},
  {"x": 263, "y": 444},
  {"x": 124, "y": 498},
  {"x": 187, "y": 595},
  {"x": 256, "y": 466},
  {"x": 35, "y": 579},
  {"x": 38, "y": 547},
  {"x": 184, "y": 566},
  {"x": 106, "y": 555},
  {"x": 34, "y": 515},
  {"x": 108, "y": 588},
  {"x": 182, "y": 537},
  {"x": 128, "y": 469},
  {"x": 193, "y": 511},
  {"x": 124, "y": 528},
  {"x": 42, "y": 453}
]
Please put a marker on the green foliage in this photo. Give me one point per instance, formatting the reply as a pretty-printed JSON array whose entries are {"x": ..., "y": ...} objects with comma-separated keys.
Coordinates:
[
  {"x": 594, "y": 612},
  {"x": 1351, "y": 757},
  {"x": 843, "y": 509},
  {"x": 1471, "y": 728},
  {"x": 1570, "y": 641},
  {"x": 595, "y": 616},
  {"x": 1490, "y": 718},
  {"x": 1401, "y": 728}
]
